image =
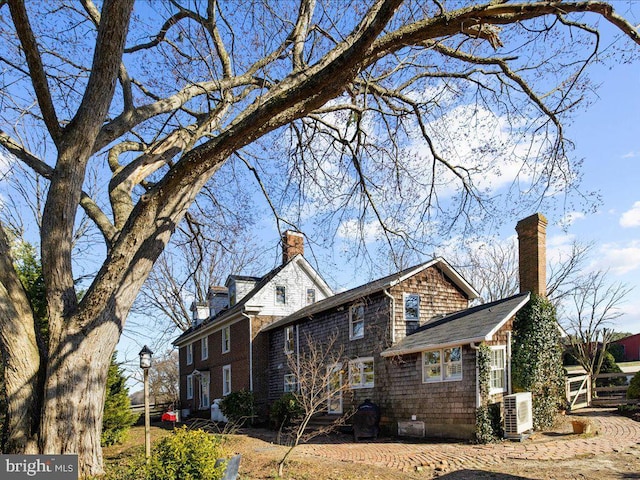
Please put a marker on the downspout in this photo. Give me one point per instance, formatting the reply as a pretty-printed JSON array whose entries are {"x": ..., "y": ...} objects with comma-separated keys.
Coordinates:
[
  {"x": 508, "y": 360},
  {"x": 250, "y": 350},
  {"x": 297, "y": 354},
  {"x": 392, "y": 323},
  {"x": 478, "y": 399}
]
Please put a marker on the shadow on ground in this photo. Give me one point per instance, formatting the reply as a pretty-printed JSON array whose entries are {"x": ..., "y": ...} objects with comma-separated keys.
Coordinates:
[{"x": 479, "y": 474}]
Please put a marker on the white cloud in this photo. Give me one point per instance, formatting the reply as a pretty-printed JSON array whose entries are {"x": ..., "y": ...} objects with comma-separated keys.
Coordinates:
[
  {"x": 353, "y": 229},
  {"x": 631, "y": 218},
  {"x": 619, "y": 259},
  {"x": 631, "y": 154}
]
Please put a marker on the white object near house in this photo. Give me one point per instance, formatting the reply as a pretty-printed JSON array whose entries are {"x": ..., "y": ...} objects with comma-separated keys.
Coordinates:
[
  {"x": 216, "y": 413},
  {"x": 518, "y": 414}
]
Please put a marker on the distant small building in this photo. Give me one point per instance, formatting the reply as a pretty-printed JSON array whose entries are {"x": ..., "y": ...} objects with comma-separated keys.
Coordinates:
[{"x": 631, "y": 346}]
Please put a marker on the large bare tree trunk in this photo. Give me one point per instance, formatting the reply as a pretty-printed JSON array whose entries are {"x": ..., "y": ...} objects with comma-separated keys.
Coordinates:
[{"x": 75, "y": 392}]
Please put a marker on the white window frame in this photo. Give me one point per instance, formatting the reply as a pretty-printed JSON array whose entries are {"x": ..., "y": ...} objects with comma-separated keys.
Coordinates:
[
  {"x": 312, "y": 291},
  {"x": 443, "y": 367},
  {"x": 404, "y": 307},
  {"x": 289, "y": 339},
  {"x": 226, "y": 380},
  {"x": 352, "y": 322},
  {"x": 204, "y": 348},
  {"x": 205, "y": 393},
  {"x": 189, "y": 387},
  {"x": 494, "y": 368},
  {"x": 190, "y": 354},
  {"x": 225, "y": 333},
  {"x": 284, "y": 291},
  {"x": 290, "y": 383},
  {"x": 357, "y": 370}
]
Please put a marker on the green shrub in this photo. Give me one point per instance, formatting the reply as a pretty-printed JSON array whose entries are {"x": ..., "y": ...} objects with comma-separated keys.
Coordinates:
[
  {"x": 185, "y": 455},
  {"x": 617, "y": 351},
  {"x": 609, "y": 365},
  {"x": 634, "y": 387},
  {"x": 238, "y": 406},
  {"x": 117, "y": 416},
  {"x": 284, "y": 410}
]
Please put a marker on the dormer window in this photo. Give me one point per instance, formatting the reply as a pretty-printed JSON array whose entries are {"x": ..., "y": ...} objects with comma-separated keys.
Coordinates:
[{"x": 281, "y": 295}]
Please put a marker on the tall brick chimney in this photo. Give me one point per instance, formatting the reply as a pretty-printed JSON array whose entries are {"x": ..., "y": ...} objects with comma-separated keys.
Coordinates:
[
  {"x": 292, "y": 245},
  {"x": 532, "y": 254}
]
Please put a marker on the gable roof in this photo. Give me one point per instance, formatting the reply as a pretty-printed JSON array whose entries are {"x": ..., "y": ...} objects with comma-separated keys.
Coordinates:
[
  {"x": 374, "y": 287},
  {"x": 241, "y": 305},
  {"x": 475, "y": 324}
]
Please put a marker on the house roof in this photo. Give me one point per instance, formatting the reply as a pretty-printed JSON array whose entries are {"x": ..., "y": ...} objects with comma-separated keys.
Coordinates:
[
  {"x": 241, "y": 306},
  {"x": 472, "y": 325},
  {"x": 374, "y": 287}
]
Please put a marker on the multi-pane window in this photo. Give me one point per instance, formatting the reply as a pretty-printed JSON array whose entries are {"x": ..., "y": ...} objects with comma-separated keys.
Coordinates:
[
  {"x": 311, "y": 296},
  {"x": 226, "y": 339},
  {"x": 190, "y": 354},
  {"x": 290, "y": 382},
  {"x": 226, "y": 380},
  {"x": 204, "y": 348},
  {"x": 361, "y": 373},
  {"x": 289, "y": 342},
  {"x": 281, "y": 294},
  {"x": 497, "y": 376},
  {"x": 411, "y": 307},
  {"x": 189, "y": 387},
  {"x": 441, "y": 365},
  {"x": 356, "y": 321},
  {"x": 452, "y": 363}
]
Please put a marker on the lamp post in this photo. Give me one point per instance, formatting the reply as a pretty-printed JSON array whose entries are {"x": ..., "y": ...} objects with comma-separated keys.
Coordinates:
[{"x": 145, "y": 364}]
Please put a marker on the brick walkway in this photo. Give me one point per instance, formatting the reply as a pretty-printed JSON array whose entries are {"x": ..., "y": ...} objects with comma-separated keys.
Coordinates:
[{"x": 613, "y": 434}]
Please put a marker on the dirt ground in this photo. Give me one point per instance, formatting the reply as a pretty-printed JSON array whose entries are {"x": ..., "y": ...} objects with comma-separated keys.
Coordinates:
[{"x": 260, "y": 456}]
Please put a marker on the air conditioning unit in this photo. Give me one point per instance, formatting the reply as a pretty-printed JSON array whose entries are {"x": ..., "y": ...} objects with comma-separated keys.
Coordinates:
[{"x": 518, "y": 414}]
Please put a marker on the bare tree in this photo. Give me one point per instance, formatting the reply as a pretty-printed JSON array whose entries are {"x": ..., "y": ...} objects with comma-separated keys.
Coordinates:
[
  {"x": 342, "y": 107},
  {"x": 492, "y": 268},
  {"x": 596, "y": 304},
  {"x": 164, "y": 378},
  {"x": 318, "y": 370}
]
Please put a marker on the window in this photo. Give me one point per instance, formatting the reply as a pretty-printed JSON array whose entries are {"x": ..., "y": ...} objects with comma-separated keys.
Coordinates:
[
  {"x": 356, "y": 321},
  {"x": 190, "y": 354},
  {"x": 281, "y": 294},
  {"x": 411, "y": 307},
  {"x": 361, "y": 373},
  {"x": 452, "y": 362},
  {"x": 442, "y": 365},
  {"x": 497, "y": 376},
  {"x": 204, "y": 348},
  {"x": 189, "y": 387},
  {"x": 289, "y": 341},
  {"x": 226, "y": 380},
  {"x": 290, "y": 383},
  {"x": 311, "y": 296},
  {"x": 204, "y": 390},
  {"x": 226, "y": 339}
]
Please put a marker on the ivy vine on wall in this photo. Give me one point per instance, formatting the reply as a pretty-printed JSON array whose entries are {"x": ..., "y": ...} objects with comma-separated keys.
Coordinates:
[{"x": 537, "y": 359}]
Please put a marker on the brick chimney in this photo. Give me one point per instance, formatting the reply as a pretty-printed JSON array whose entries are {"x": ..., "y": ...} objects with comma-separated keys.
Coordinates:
[
  {"x": 292, "y": 245},
  {"x": 532, "y": 248}
]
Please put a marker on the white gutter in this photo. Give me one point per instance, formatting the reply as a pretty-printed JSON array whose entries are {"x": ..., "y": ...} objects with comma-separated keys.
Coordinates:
[
  {"x": 392, "y": 327},
  {"x": 423, "y": 348}
]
